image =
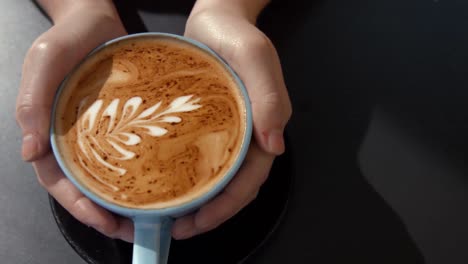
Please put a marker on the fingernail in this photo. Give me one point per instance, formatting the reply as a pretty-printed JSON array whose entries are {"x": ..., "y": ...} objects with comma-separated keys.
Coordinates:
[
  {"x": 276, "y": 142},
  {"x": 30, "y": 147}
]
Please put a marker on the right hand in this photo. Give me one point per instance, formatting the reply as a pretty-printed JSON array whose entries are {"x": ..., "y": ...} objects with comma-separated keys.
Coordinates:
[{"x": 77, "y": 30}]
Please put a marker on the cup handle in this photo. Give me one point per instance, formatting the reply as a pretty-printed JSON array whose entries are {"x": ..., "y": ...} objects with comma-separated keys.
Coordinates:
[{"x": 152, "y": 240}]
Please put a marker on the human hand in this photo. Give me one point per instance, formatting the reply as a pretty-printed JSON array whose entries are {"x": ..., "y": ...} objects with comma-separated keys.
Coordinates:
[
  {"x": 46, "y": 64},
  {"x": 251, "y": 54}
]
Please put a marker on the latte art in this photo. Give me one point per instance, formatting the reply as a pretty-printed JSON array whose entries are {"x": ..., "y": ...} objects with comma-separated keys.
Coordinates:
[
  {"x": 150, "y": 123},
  {"x": 118, "y": 133}
]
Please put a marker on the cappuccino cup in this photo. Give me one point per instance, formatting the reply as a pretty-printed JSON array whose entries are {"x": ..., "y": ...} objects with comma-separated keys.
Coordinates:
[{"x": 151, "y": 126}]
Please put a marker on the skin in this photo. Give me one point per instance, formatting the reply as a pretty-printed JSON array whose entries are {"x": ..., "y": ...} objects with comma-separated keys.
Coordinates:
[{"x": 228, "y": 27}]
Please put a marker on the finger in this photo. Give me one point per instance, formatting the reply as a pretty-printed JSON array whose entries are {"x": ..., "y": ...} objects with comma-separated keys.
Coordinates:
[
  {"x": 241, "y": 191},
  {"x": 84, "y": 210},
  {"x": 45, "y": 65},
  {"x": 124, "y": 231},
  {"x": 263, "y": 78}
]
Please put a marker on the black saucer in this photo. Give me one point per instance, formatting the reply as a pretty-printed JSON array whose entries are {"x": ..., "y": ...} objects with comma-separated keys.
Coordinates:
[{"x": 233, "y": 242}]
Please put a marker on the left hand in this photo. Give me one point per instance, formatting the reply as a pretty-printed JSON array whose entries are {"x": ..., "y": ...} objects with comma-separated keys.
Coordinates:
[
  {"x": 50, "y": 58},
  {"x": 252, "y": 55}
]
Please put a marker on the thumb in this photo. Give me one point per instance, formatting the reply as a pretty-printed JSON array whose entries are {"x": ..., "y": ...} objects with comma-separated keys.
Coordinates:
[
  {"x": 46, "y": 64},
  {"x": 252, "y": 55},
  {"x": 258, "y": 65}
]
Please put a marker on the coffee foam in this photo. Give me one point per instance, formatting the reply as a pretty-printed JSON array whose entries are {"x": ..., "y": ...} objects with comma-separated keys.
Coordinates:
[{"x": 150, "y": 123}]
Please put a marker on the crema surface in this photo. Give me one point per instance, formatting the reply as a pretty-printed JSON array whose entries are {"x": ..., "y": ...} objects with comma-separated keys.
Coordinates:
[{"x": 150, "y": 122}]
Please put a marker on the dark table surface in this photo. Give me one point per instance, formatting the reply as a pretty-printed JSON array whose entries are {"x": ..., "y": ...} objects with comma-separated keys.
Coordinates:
[{"x": 378, "y": 137}]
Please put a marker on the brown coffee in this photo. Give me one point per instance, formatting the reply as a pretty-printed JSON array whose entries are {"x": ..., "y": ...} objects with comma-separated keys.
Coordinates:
[{"x": 150, "y": 122}]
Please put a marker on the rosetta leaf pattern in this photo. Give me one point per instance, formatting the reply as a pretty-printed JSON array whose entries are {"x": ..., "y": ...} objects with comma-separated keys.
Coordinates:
[{"x": 120, "y": 132}]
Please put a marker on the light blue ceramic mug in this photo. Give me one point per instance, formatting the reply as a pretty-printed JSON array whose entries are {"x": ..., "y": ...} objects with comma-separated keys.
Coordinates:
[{"x": 153, "y": 226}]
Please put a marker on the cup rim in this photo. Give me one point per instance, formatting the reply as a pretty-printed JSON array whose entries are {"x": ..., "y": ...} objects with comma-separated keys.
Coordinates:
[{"x": 173, "y": 210}]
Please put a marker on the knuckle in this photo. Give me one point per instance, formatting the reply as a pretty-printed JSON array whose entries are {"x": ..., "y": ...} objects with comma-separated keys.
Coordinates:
[
  {"x": 40, "y": 46},
  {"x": 108, "y": 230},
  {"x": 253, "y": 47},
  {"x": 235, "y": 196},
  {"x": 240, "y": 199},
  {"x": 80, "y": 209},
  {"x": 271, "y": 102},
  {"x": 280, "y": 101},
  {"x": 27, "y": 112},
  {"x": 201, "y": 227},
  {"x": 272, "y": 98},
  {"x": 200, "y": 18},
  {"x": 23, "y": 111},
  {"x": 77, "y": 210},
  {"x": 256, "y": 42},
  {"x": 44, "y": 44}
]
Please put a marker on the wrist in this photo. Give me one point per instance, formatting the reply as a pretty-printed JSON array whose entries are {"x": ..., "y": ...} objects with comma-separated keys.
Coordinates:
[
  {"x": 60, "y": 9},
  {"x": 247, "y": 9}
]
